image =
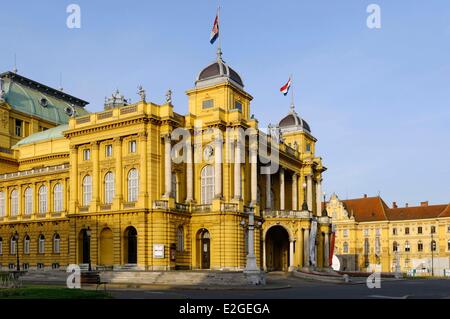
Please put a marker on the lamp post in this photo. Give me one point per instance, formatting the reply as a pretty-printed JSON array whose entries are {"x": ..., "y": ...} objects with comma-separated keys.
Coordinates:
[
  {"x": 432, "y": 253},
  {"x": 16, "y": 239},
  {"x": 305, "y": 204},
  {"x": 88, "y": 234}
]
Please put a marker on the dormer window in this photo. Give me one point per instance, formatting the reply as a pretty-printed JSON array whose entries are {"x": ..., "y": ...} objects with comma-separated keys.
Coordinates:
[
  {"x": 308, "y": 147},
  {"x": 208, "y": 104},
  {"x": 238, "y": 105}
]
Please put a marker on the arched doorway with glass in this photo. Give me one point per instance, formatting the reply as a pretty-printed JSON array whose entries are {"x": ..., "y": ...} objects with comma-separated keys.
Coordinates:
[
  {"x": 204, "y": 249},
  {"x": 130, "y": 245},
  {"x": 83, "y": 247},
  {"x": 277, "y": 249}
]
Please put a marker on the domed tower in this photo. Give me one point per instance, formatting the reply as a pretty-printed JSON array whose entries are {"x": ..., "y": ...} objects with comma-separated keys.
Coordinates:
[
  {"x": 296, "y": 133},
  {"x": 219, "y": 94}
]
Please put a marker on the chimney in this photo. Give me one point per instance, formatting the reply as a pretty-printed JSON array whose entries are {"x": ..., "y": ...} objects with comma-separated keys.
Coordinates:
[
  {"x": 407, "y": 205},
  {"x": 365, "y": 195},
  {"x": 394, "y": 205},
  {"x": 424, "y": 204}
]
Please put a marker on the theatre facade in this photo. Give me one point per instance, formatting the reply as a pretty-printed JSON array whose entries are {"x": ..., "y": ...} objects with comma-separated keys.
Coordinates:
[{"x": 141, "y": 187}]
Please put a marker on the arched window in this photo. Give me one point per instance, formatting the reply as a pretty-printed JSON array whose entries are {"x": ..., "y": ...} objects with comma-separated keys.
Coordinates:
[
  {"x": 2, "y": 204},
  {"x": 407, "y": 246},
  {"x": 26, "y": 245},
  {"x": 395, "y": 246},
  {"x": 420, "y": 246},
  {"x": 87, "y": 190},
  {"x": 448, "y": 245},
  {"x": 109, "y": 187},
  {"x": 58, "y": 198},
  {"x": 43, "y": 199},
  {"x": 1, "y": 246},
  {"x": 207, "y": 185},
  {"x": 175, "y": 186},
  {"x": 133, "y": 185},
  {"x": 41, "y": 244},
  {"x": 345, "y": 248},
  {"x": 180, "y": 239},
  {"x": 56, "y": 244},
  {"x": 12, "y": 246},
  {"x": 28, "y": 201},
  {"x": 14, "y": 203}
]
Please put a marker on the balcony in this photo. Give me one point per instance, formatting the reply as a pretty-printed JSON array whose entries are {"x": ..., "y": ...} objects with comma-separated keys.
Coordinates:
[
  {"x": 229, "y": 207},
  {"x": 181, "y": 207},
  {"x": 287, "y": 214},
  {"x": 161, "y": 205},
  {"x": 205, "y": 208},
  {"x": 36, "y": 171}
]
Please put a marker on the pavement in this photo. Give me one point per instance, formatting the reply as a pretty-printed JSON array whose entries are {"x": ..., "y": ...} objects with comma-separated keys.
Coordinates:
[{"x": 282, "y": 286}]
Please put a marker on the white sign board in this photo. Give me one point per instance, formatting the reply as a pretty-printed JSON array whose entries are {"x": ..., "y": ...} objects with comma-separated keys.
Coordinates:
[{"x": 158, "y": 251}]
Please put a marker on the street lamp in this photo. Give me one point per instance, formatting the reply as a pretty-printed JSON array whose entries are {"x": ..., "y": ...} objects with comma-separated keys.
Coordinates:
[
  {"x": 432, "y": 252},
  {"x": 305, "y": 204},
  {"x": 16, "y": 239},
  {"x": 88, "y": 234}
]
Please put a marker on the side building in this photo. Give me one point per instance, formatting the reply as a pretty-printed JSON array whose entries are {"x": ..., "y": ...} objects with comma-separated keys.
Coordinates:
[{"x": 370, "y": 236}]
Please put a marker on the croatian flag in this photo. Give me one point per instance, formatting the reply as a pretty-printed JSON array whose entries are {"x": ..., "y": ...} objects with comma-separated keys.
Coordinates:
[
  {"x": 286, "y": 87},
  {"x": 215, "y": 30}
]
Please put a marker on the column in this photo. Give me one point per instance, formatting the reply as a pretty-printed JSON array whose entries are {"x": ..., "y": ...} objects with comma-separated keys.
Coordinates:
[
  {"x": 306, "y": 248},
  {"x": 189, "y": 174},
  {"x": 74, "y": 191},
  {"x": 254, "y": 172},
  {"x": 294, "y": 192},
  {"x": 264, "y": 255},
  {"x": 282, "y": 199},
  {"x": 237, "y": 170},
  {"x": 143, "y": 192},
  {"x": 167, "y": 166},
  {"x": 309, "y": 191},
  {"x": 268, "y": 192},
  {"x": 95, "y": 176},
  {"x": 318, "y": 197},
  {"x": 218, "y": 167},
  {"x": 326, "y": 255},
  {"x": 291, "y": 255},
  {"x": 251, "y": 258},
  {"x": 119, "y": 171}
]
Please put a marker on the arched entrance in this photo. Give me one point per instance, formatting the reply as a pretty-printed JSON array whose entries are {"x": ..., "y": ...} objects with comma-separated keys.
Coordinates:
[
  {"x": 84, "y": 248},
  {"x": 130, "y": 245},
  {"x": 277, "y": 249},
  {"x": 106, "y": 247},
  {"x": 204, "y": 248}
]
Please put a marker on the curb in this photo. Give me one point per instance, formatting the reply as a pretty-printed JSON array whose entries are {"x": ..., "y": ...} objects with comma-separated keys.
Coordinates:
[{"x": 128, "y": 286}]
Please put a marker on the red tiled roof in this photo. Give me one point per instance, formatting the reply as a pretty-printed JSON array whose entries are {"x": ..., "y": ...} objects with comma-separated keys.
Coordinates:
[
  {"x": 446, "y": 212},
  {"x": 366, "y": 209},
  {"x": 419, "y": 212}
]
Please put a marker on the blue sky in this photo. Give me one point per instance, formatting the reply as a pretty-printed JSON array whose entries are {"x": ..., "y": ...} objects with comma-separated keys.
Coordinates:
[{"x": 377, "y": 100}]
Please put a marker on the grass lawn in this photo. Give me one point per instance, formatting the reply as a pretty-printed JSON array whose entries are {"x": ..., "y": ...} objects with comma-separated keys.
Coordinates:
[{"x": 51, "y": 292}]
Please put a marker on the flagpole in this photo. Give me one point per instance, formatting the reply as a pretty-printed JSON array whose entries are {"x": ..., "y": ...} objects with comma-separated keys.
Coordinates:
[
  {"x": 219, "y": 42},
  {"x": 292, "y": 93}
]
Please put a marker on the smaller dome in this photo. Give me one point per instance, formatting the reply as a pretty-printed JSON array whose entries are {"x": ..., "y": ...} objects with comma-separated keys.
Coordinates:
[
  {"x": 293, "y": 121},
  {"x": 219, "y": 69}
]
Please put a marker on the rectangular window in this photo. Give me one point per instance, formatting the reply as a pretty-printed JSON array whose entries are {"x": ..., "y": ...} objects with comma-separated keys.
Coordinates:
[
  {"x": 87, "y": 154},
  {"x": 238, "y": 105},
  {"x": 1, "y": 248},
  {"x": 394, "y": 231},
  {"x": 448, "y": 229},
  {"x": 366, "y": 232},
  {"x": 345, "y": 233},
  {"x": 19, "y": 129},
  {"x": 108, "y": 150},
  {"x": 419, "y": 230},
  {"x": 433, "y": 229},
  {"x": 26, "y": 266},
  {"x": 308, "y": 147},
  {"x": 26, "y": 247},
  {"x": 207, "y": 104},
  {"x": 420, "y": 246},
  {"x": 378, "y": 232},
  {"x": 407, "y": 231},
  {"x": 133, "y": 146}
]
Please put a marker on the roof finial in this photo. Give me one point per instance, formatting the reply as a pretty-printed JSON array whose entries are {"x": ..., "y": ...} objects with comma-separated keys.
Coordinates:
[
  {"x": 219, "y": 54},
  {"x": 15, "y": 64}
]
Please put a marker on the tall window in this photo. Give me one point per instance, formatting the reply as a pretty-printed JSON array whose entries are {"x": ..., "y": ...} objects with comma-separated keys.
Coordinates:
[
  {"x": 108, "y": 150},
  {"x": 58, "y": 198},
  {"x": 132, "y": 146},
  {"x": 56, "y": 244},
  {"x": 87, "y": 190},
  {"x": 394, "y": 231},
  {"x": 407, "y": 247},
  {"x": 14, "y": 203},
  {"x": 1, "y": 246},
  {"x": 366, "y": 246},
  {"x": 207, "y": 184},
  {"x": 19, "y": 127},
  {"x": 407, "y": 231},
  {"x": 133, "y": 185},
  {"x": 448, "y": 245},
  {"x": 41, "y": 244},
  {"x": 180, "y": 239},
  {"x": 109, "y": 187},
  {"x": 377, "y": 246},
  {"x": 28, "y": 201},
  {"x": 12, "y": 246},
  {"x": 43, "y": 199},
  {"x": 174, "y": 186},
  {"x": 345, "y": 233},
  {"x": 395, "y": 247},
  {"x": 2, "y": 204},
  {"x": 87, "y": 154},
  {"x": 345, "y": 248},
  {"x": 420, "y": 246},
  {"x": 419, "y": 230},
  {"x": 433, "y": 229},
  {"x": 26, "y": 245}
]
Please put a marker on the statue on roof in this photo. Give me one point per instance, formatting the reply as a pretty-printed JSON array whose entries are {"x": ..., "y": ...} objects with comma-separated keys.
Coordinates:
[
  {"x": 169, "y": 97},
  {"x": 141, "y": 93}
]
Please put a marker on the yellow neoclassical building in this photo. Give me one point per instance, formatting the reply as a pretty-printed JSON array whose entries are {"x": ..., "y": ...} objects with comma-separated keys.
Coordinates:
[
  {"x": 371, "y": 236},
  {"x": 139, "y": 186}
]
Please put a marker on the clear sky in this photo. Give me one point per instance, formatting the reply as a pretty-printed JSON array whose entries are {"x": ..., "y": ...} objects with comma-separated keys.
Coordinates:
[{"x": 377, "y": 100}]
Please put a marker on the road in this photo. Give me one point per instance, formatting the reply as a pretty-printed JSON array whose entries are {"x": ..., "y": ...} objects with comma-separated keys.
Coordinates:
[{"x": 305, "y": 289}]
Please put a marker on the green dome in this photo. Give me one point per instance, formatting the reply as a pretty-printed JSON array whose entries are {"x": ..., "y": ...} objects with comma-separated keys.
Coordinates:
[{"x": 50, "y": 134}]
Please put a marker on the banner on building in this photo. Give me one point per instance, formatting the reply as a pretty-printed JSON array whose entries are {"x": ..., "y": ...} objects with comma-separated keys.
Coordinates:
[{"x": 312, "y": 243}]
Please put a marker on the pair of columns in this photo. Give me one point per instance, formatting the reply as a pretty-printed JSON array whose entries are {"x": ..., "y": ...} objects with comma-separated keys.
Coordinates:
[{"x": 294, "y": 197}]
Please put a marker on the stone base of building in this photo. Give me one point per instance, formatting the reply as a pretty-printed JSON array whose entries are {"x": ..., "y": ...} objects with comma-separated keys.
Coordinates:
[{"x": 255, "y": 277}]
